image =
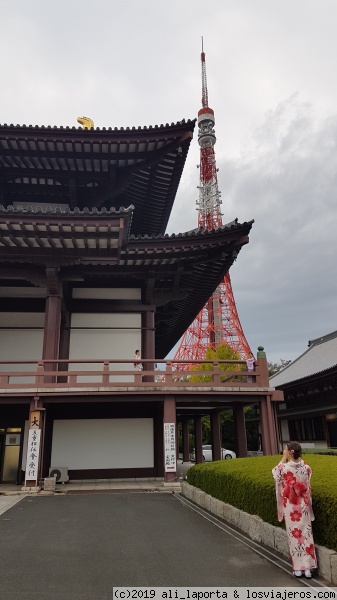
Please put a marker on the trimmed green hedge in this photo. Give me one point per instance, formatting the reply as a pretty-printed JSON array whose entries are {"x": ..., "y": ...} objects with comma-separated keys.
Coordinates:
[
  {"x": 247, "y": 483},
  {"x": 327, "y": 451}
]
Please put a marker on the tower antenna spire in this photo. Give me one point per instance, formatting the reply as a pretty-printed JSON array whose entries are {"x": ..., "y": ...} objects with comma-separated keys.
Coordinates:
[
  {"x": 204, "y": 98},
  {"x": 218, "y": 322}
]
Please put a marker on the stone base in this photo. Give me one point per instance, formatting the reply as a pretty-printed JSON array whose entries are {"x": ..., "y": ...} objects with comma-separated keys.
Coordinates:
[
  {"x": 31, "y": 490},
  {"x": 49, "y": 484}
]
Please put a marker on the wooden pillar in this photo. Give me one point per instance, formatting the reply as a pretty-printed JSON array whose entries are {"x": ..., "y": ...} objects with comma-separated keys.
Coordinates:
[
  {"x": 272, "y": 427},
  {"x": 148, "y": 341},
  {"x": 177, "y": 440},
  {"x": 266, "y": 447},
  {"x": 268, "y": 425},
  {"x": 65, "y": 334},
  {"x": 170, "y": 441},
  {"x": 64, "y": 344},
  {"x": 186, "y": 440},
  {"x": 215, "y": 435},
  {"x": 52, "y": 320},
  {"x": 158, "y": 441},
  {"x": 48, "y": 424},
  {"x": 240, "y": 431},
  {"x": 52, "y": 328},
  {"x": 198, "y": 439}
]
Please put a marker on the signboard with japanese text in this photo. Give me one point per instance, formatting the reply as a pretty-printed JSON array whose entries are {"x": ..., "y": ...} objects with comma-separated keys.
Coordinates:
[
  {"x": 33, "y": 453},
  {"x": 170, "y": 447},
  {"x": 35, "y": 420}
]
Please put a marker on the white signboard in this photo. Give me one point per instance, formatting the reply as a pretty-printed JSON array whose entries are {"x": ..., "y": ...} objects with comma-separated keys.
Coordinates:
[
  {"x": 170, "y": 447},
  {"x": 33, "y": 453}
]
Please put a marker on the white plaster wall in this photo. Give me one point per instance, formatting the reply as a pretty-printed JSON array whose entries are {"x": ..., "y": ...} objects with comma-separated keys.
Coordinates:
[
  {"x": 108, "y": 293},
  {"x": 118, "y": 342},
  {"x": 102, "y": 443},
  {"x": 19, "y": 343}
]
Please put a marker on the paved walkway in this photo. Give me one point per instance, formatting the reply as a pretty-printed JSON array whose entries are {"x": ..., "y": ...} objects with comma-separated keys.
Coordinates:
[
  {"x": 68, "y": 547},
  {"x": 11, "y": 494},
  {"x": 7, "y": 502},
  {"x": 96, "y": 485}
]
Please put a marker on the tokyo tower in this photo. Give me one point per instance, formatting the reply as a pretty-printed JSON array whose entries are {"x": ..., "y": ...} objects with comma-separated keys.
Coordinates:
[{"x": 218, "y": 322}]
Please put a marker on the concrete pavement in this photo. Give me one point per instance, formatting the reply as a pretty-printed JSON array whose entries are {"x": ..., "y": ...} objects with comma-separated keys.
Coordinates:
[
  {"x": 6, "y": 502},
  {"x": 77, "y": 547}
]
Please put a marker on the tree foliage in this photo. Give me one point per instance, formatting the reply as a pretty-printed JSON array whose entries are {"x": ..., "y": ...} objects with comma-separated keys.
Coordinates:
[
  {"x": 274, "y": 368},
  {"x": 222, "y": 352}
]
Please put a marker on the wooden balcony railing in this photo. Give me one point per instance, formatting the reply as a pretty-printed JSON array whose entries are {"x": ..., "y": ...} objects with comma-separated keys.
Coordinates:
[{"x": 105, "y": 373}]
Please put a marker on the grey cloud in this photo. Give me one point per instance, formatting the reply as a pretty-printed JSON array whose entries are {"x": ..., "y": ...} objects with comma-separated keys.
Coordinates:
[{"x": 284, "y": 282}]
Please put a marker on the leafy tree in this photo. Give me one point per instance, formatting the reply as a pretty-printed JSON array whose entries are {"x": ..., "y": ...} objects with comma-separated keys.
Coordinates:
[
  {"x": 222, "y": 352},
  {"x": 274, "y": 368}
]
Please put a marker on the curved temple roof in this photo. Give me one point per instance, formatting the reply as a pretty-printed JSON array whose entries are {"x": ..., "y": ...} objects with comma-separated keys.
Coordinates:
[
  {"x": 63, "y": 221},
  {"x": 96, "y": 168},
  {"x": 318, "y": 358},
  {"x": 177, "y": 273}
]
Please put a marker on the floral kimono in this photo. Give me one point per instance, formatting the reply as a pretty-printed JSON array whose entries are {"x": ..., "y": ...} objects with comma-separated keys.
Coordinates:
[{"x": 293, "y": 495}]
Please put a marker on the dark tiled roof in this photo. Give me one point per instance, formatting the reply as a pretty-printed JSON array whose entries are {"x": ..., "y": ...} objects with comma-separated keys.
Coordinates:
[
  {"x": 96, "y": 168},
  {"x": 42, "y": 211},
  {"x": 28, "y": 234},
  {"x": 72, "y": 186},
  {"x": 321, "y": 356},
  {"x": 177, "y": 273}
]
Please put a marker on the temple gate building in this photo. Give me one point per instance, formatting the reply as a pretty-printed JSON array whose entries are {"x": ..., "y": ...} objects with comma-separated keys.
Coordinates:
[{"x": 87, "y": 276}]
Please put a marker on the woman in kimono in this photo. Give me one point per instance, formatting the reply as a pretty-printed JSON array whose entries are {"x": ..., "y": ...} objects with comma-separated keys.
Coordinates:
[{"x": 293, "y": 494}]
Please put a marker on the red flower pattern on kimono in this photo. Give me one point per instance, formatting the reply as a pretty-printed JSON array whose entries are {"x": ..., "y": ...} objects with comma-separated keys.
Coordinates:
[
  {"x": 290, "y": 493},
  {"x": 289, "y": 478},
  {"x": 295, "y": 515},
  {"x": 297, "y": 533},
  {"x": 311, "y": 550},
  {"x": 300, "y": 488}
]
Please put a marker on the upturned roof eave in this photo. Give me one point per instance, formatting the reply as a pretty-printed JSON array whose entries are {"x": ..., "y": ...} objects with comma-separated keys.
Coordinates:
[{"x": 97, "y": 131}]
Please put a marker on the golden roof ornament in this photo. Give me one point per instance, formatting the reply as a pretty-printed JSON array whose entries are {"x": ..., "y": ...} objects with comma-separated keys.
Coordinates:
[{"x": 85, "y": 122}]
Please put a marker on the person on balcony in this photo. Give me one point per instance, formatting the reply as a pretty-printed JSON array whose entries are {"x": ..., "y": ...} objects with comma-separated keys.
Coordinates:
[
  {"x": 250, "y": 362},
  {"x": 137, "y": 364}
]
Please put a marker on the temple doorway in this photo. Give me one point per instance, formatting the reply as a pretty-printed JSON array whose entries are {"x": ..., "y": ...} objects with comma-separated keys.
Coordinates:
[{"x": 10, "y": 440}]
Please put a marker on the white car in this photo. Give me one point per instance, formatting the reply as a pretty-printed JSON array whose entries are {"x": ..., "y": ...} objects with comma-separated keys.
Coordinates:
[{"x": 207, "y": 454}]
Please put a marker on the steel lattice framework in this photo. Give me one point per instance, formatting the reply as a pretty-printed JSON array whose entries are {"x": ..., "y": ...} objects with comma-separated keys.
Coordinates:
[{"x": 218, "y": 322}]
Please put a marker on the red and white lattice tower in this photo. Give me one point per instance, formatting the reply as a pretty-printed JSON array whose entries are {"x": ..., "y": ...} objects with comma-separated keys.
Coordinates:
[{"x": 218, "y": 322}]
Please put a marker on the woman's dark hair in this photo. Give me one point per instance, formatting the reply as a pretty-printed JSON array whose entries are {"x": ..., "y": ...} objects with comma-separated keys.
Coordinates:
[{"x": 296, "y": 447}]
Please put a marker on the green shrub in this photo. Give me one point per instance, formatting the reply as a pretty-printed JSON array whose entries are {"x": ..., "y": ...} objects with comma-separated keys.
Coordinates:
[
  {"x": 247, "y": 484},
  {"x": 325, "y": 451}
]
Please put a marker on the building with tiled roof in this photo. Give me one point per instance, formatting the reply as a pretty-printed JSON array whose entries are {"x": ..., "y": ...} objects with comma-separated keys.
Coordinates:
[
  {"x": 87, "y": 276},
  {"x": 309, "y": 384}
]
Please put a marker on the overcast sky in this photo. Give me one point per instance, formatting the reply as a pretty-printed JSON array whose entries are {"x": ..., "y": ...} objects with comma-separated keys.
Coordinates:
[{"x": 272, "y": 82}]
